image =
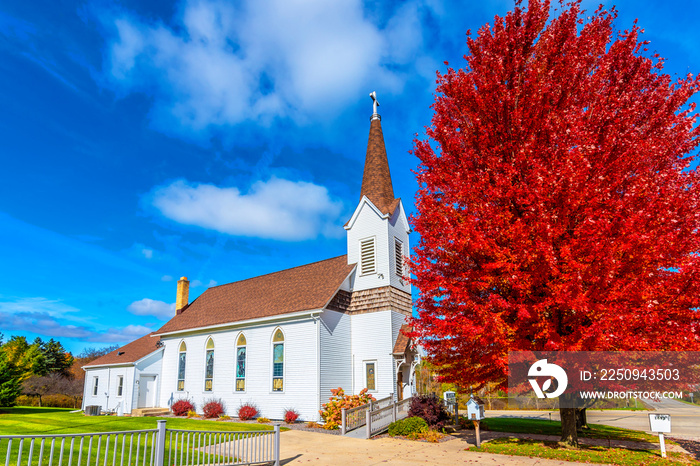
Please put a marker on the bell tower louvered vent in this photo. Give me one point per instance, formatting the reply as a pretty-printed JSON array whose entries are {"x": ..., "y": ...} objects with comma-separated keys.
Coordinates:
[
  {"x": 398, "y": 253},
  {"x": 368, "y": 256}
]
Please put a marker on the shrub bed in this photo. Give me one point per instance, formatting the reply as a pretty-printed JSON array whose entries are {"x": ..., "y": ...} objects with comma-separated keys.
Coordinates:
[
  {"x": 247, "y": 411},
  {"x": 290, "y": 415},
  {"x": 430, "y": 409},
  {"x": 408, "y": 426},
  {"x": 333, "y": 410},
  {"x": 213, "y": 408},
  {"x": 182, "y": 407}
]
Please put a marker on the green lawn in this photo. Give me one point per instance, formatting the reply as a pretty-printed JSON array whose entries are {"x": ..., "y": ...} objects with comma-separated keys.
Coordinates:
[
  {"x": 33, "y": 421},
  {"x": 51, "y": 421},
  {"x": 544, "y": 427},
  {"x": 587, "y": 453}
]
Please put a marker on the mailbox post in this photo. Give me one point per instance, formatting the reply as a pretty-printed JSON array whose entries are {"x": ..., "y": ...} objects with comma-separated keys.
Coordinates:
[
  {"x": 661, "y": 424},
  {"x": 475, "y": 413}
]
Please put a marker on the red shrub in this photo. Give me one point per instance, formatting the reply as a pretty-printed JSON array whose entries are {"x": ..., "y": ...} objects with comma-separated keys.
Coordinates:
[
  {"x": 181, "y": 407},
  {"x": 290, "y": 415},
  {"x": 213, "y": 408},
  {"x": 430, "y": 409},
  {"x": 247, "y": 411}
]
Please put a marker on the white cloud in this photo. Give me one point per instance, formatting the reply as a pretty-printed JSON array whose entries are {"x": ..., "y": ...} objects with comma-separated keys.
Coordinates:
[
  {"x": 152, "y": 307},
  {"x": 166, "y": 278},
  {"x": 221, "y": 64},
  {"x": 197, "y": 283},
  {"x": 147, "y": 253},
  {"x": 122, "y": 335},
  {"x": 276, "y": 209},
  {"x": 54, "y": 319}
]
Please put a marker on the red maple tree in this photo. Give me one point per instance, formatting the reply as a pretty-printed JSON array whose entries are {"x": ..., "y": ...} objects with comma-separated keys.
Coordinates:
[{"x": 558, "y": 209}]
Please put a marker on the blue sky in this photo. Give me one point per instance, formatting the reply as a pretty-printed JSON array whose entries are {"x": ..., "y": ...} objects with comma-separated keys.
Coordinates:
[{"x": 143, "y": 141}]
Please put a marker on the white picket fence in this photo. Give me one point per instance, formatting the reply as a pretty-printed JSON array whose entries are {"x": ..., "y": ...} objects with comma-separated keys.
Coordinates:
[{"x": 143, "y": 448}]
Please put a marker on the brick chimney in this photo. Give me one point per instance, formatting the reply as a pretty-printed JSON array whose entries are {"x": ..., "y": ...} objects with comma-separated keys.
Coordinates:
[{"x": 183, "y": 295}]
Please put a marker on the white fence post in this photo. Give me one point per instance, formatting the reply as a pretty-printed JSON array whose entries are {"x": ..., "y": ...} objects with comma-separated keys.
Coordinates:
[
  {"x": 368, "y": 423},
  {"x": 343, "y": 424},
  {"x": 160, "y": 444},
  {"x": 277, "y": 445},
  {"x": 394, "y": 407}
]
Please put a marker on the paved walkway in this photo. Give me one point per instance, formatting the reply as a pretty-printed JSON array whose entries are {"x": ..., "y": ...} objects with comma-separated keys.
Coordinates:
[{"x": 299, "y": 447}]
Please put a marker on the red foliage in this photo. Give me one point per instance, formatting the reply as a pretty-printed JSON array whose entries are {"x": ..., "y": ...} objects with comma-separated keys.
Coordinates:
[
  {"x": 290, "y": 415},
  {"x": 559, "y": 210},
  {"x": 182, "y": 407},
  {"x": 430, "y": 409},
  {"x": 213, "y": 408},
  {"x": 247, "y": 411}
]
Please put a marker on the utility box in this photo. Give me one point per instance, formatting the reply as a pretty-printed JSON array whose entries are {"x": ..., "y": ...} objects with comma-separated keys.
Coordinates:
[
  {"x": 475, "y": 409},
  {"x": 93, "y": 410}
]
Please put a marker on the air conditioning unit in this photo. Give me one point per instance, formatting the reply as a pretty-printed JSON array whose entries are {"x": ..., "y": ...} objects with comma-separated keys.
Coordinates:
[{"x": 93, "y": 410}]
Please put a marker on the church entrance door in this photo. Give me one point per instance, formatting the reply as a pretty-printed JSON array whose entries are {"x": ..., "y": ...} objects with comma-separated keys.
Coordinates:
[{"x": 399, "y": 385}]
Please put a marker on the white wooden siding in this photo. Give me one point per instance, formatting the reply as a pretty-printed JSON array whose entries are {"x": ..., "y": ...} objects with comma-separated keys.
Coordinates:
[
  {"x": 369, "y": 223},
  {"x": 336, "y": 357},
  {"x": 301, "y": 373},
  {"x": 107, "y": 387},
  {"x": 372, "y": 341},
  {"x": 151, "y": 365},
  {"x": 398, "y": 229}
]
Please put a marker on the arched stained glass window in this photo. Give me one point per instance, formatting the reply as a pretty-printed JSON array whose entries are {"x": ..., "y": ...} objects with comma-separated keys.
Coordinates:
[
  {"x": 209, "y": 366},
  {"x": 278, "y": 361},
  {"x": 240, "y": 363},
  {"x": 182, "y": 361}
]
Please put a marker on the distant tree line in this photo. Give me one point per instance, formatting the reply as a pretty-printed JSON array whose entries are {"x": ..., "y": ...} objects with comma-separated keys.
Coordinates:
[{"x": 40, "y": 369}]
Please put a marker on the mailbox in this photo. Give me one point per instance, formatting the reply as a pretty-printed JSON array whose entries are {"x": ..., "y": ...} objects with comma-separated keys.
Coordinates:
[{"x": 475, "y": 409}]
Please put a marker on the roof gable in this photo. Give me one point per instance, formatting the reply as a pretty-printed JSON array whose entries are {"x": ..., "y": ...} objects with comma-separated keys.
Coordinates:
[
  {"x": 129, "y": 353},
  {"x": 402, "y": 341},
  {"x": 302, "y": 288}
]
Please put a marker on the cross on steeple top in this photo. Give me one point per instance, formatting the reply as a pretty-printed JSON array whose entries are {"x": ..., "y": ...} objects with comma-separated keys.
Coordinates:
[{"x": 375, "y": 104}]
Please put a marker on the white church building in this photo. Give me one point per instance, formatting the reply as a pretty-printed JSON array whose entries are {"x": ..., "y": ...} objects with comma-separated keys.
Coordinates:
[{"x": 285, "y": 339}]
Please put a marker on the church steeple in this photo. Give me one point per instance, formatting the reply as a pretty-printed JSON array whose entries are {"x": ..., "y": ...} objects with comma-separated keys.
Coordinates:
[{"x": 376, "y": 180}]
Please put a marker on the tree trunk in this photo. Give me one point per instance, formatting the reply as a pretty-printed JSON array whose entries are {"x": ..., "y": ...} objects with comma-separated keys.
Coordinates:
[
  {"x": 569, "y": 416},
  {"x": 39, "y": 401},
  {"x": 581, "y": 419}
]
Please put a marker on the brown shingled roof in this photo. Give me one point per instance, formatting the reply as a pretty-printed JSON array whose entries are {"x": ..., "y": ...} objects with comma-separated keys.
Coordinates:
[
  {"x": 376, "y": 179},
  {"x": 297, "y": 289},
  {"x": 402, "y": 340},
  {"x": 128, "y": 353}
]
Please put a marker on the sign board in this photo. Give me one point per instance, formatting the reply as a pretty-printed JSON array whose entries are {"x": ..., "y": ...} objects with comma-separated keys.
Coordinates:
[
  {"x": 660, "y": 423},
  {"x": 450, "y": 397}
]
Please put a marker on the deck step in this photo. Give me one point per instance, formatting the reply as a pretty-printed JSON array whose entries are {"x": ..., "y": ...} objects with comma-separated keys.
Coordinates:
[{"x": 149, "y": 412}]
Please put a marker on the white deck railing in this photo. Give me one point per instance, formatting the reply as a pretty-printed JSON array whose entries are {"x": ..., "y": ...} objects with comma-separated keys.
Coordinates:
[
  {"x": 143, "y": 448},
  {"x": 378, "y": 421},
  {"x": 356, "y": 417}
]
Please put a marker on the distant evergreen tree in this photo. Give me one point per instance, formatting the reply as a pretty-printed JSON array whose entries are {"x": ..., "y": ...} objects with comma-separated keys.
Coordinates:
[{"x": 10, "y": 385}]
